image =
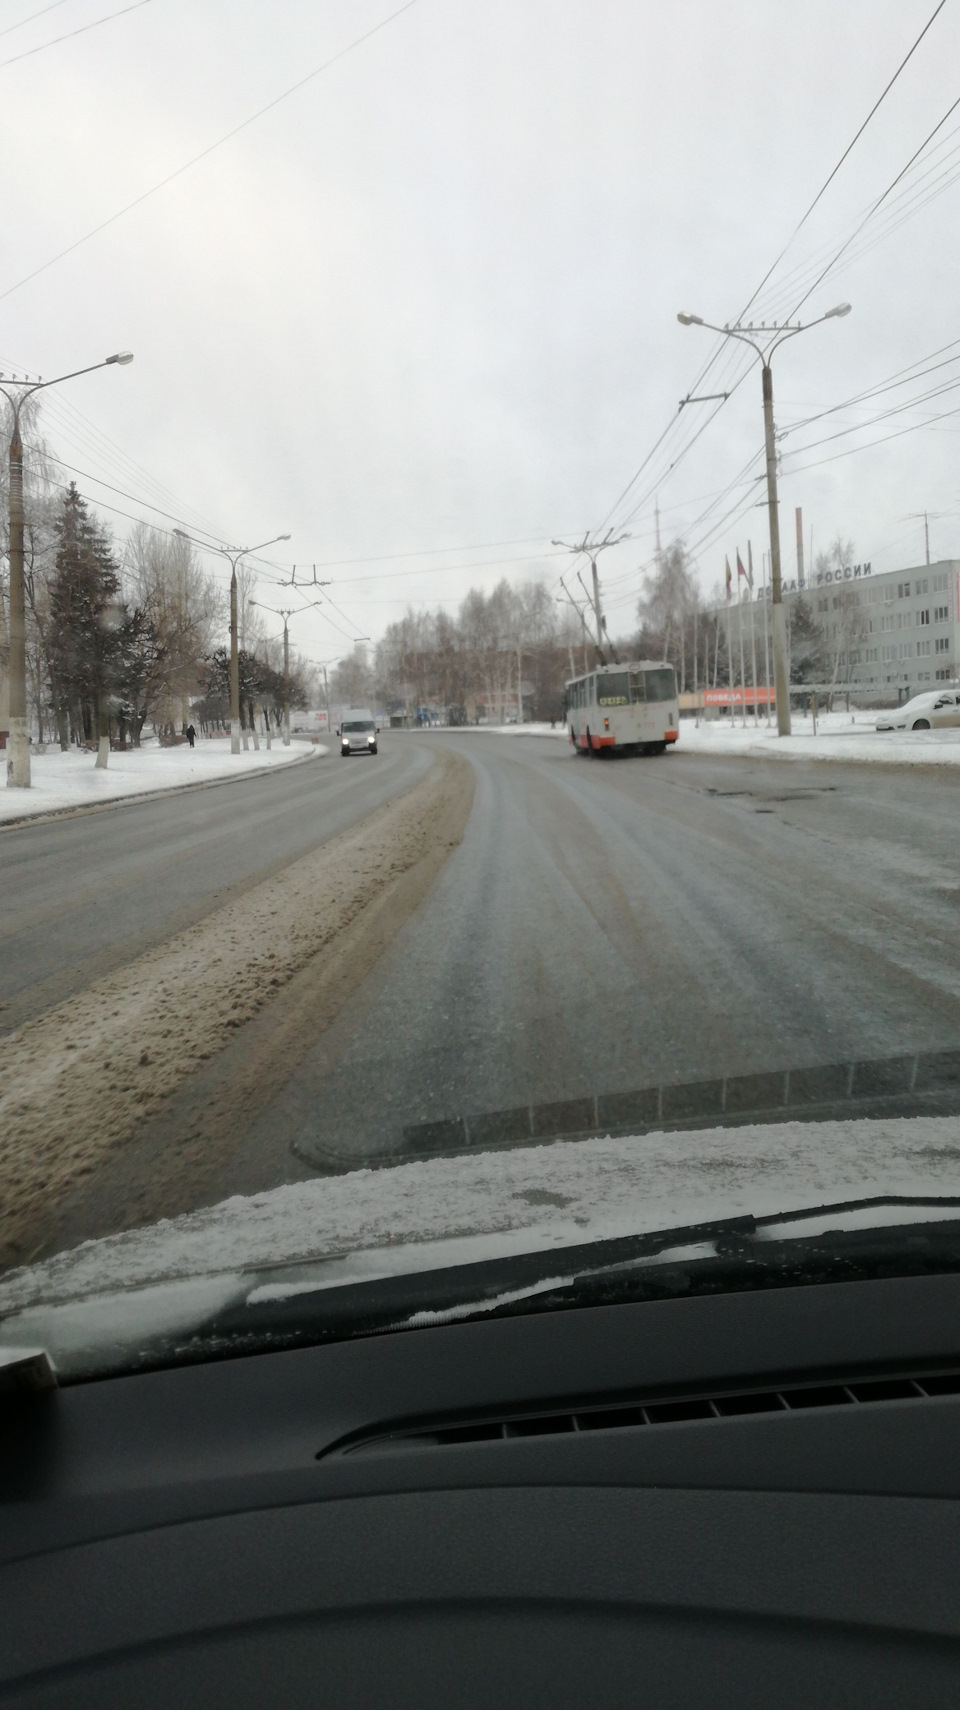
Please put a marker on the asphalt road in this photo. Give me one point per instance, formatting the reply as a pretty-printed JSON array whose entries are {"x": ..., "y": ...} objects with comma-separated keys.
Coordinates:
[
  {"x": 606, "y": 926},
  {"x": 603, "y": 928},
  {"x": 90, "y": 892}
]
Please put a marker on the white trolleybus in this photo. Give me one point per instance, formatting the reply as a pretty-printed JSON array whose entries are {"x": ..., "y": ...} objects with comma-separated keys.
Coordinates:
[{"x": 630, "y": 707}]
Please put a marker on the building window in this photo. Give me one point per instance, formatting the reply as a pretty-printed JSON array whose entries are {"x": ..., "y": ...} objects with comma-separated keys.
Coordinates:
[
  {"x": 941, "y": 614},
  {"x": 904, "y": 620},
  {"x": 888, "y": 596},
  {"x": 941, "y": 583},
  {"x": 886, "y": 622},
  {"x": 923, "y": 585},
  {"x": 943, "y": 676},
  {"x": 943, "y": 644},
  {"x": 889, "y": 652},
  {"x": 923, "y": 648},
  {"x": 923, "y": 617},
  {"x": 903, "y": 590}
]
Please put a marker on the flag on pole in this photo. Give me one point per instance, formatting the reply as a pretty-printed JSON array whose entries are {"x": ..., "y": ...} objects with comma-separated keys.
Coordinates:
[
  {"x": 748, "y": 572},
  {"x": 729, "y": 576},
  {"x": 741, "y": 571}
]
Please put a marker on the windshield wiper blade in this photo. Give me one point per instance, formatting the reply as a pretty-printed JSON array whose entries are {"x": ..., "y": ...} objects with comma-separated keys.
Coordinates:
[{"x": 719, "y": 1255}]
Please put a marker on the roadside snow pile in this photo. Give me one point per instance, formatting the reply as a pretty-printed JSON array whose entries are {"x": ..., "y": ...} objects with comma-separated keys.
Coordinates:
[
  {"x": 840, "y": 736},
  {"x": 455, "y": 1210},
  {"x": 72, "y": 780}
]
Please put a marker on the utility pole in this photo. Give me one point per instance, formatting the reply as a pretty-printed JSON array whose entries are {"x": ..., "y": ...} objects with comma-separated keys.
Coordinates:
[
  {"x": 800, "y": 574},
  {"x": 233, "y": 558},
  {"x": 18, "y": 759},
  {"x": 753, "y": 634},
  {"x": 519, "y": 684},
  {"x": 592, "y": 550},
  {"x": 771, "y": 337},
  {"x": 287, "y": 613}
]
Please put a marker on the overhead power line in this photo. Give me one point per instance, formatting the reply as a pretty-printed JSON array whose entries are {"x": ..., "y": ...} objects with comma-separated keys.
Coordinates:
[
  {"x": 195, "y": 160},
  {"x": 69, "y": 34},
  {"x": 724, "y": 346},
  {"x": 31, "y": 18}
]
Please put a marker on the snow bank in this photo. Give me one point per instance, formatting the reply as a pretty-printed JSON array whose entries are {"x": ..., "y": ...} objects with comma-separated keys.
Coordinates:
[
  {"x": 840, "y": 736},
  {"x": 72, "y": 780},
  {"x": 454, "y": 1210}
]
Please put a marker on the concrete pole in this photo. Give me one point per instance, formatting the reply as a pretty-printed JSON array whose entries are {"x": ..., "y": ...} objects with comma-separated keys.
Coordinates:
[
  {"x": 519, "y": 682},
  {"x": 234, "y": 668},
  {"x": 753, "y": 637},
  {"x": 766, "y": 639},
  {"x": 781, "y": 666},
  {"x": 743, "y": 674},
  {"x": 286, "y": 685},
  {"x": 596, "y": 603},
  {"x": 696, "y": 697},
  {"x": 18, "y": 758}
]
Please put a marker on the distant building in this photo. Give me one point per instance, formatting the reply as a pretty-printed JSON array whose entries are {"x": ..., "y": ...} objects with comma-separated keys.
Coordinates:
[{"x": 890, "y": 634}]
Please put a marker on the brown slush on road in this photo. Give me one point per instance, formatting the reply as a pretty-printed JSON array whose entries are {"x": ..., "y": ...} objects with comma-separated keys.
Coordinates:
[{"x": 82, "y": 1084}]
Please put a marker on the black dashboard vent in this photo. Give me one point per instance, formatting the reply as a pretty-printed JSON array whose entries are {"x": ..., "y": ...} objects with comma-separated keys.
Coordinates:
[{"x": 659, "y": 1412}]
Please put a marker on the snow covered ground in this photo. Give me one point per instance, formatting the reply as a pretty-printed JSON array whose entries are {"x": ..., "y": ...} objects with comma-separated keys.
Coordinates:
[
  {"x": 72, "y": 780},
  {"x": 840, "y": 736}
]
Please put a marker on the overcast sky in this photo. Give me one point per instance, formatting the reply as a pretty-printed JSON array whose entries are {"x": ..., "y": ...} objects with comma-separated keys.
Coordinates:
[{"x": 421, "y": 315}]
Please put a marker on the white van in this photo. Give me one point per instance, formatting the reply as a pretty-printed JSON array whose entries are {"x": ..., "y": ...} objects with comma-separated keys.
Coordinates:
[{"x": 358, "y": 732}]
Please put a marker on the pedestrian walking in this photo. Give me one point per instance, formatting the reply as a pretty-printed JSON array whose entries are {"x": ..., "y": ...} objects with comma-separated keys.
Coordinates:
[{"x": 191, "y": 735}]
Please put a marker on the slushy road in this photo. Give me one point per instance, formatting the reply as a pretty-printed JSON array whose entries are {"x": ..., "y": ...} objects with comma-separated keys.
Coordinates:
[
  {"x": 82, "y": 895},
  {"x": 613, "y": 924}
]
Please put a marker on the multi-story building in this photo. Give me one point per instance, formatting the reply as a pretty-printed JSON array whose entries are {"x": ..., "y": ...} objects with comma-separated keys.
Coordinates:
[{"x": 891, "y": 635}]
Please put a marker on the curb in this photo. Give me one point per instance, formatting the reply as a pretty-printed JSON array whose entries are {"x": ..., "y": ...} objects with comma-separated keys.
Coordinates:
[{"x": 44, "y": 815}]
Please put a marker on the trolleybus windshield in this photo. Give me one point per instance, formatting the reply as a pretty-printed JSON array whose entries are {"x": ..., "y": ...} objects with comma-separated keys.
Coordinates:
[
  {"x": 613, "y": 689},
  {"x": 658, "y": 685}
]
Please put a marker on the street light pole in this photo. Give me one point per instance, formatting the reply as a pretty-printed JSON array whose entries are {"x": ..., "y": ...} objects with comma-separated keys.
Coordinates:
[
  {"x": 233, "y": 558},
  {"x": 286, "y": 614},
  {"x": 771, "y": 337},
  {"x": 18, "y": 760}
]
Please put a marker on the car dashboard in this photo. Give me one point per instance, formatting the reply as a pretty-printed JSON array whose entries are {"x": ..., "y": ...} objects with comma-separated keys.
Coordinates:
[{"x": 735, "y": 1499}]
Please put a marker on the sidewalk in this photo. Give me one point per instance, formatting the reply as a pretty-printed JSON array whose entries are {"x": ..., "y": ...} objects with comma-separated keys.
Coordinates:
[{"x": 60, "y": 782}]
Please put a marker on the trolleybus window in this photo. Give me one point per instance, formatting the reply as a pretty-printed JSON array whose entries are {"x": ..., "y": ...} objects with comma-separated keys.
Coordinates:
[
  {"x": 613, "y": 689},
  {"x": 659, "y": 685}
]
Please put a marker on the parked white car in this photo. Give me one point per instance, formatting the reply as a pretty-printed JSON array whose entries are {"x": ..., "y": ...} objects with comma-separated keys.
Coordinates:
[{"x": 929, "y": 711}]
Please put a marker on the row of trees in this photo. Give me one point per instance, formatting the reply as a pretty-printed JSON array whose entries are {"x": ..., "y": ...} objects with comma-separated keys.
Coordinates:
[
  {"x": 118, "y": 638},
  {"x": 469, "y": 663}
]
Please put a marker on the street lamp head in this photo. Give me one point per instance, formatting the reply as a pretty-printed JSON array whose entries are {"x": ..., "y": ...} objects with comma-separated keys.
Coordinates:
[
  {"x": 688, "y": 320},
  {"x": 838, "y": 312},
  {"x": 122, "y": 357},
  {"x": 283, "y": 537}
]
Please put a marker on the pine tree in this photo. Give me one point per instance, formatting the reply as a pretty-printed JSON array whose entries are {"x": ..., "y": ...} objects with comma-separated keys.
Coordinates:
[{"x": 83, "y": 594}]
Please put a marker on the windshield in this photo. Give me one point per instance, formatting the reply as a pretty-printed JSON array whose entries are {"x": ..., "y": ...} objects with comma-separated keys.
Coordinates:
[
  {"x": 659, "y": 685},
  {"x": 478, "y": 693}
]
